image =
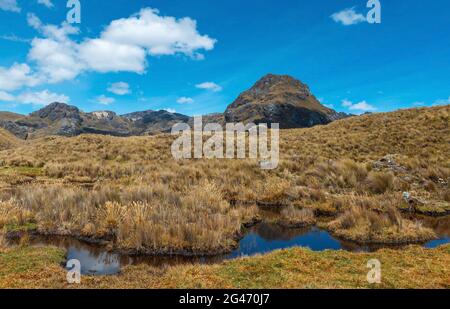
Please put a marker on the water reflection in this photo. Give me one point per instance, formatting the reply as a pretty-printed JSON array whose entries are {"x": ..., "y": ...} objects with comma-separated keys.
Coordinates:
[{"x": 261, "y": 239}]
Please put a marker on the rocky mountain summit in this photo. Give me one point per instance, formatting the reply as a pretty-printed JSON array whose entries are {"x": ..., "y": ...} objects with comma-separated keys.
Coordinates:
[
  {"x": 280, "y": 99},
  {"x": 66, "y": 120},
  {"x": 273, "y": 99}
]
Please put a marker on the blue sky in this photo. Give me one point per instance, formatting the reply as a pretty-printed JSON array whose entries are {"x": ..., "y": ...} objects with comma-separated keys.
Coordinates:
[{"x": 196, "y": 56}]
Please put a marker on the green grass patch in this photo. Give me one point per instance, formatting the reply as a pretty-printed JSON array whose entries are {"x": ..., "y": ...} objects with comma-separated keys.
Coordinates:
[
  {"x": 22, "y": 171},
  {"x": 22, "y": 260},
  {"x": 27, "y": 227}
]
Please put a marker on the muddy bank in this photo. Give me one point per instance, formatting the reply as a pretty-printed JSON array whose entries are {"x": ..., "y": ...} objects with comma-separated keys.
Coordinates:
[{"x": 99, "y": 258}]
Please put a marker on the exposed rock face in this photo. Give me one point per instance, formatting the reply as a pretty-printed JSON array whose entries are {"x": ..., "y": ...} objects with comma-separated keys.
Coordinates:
[
  {"x": 273, "y": 99},
  {"x": 280, "y": 99},
  {"x": 17, "y": 130},
  {"x": 57, "y": 111},
  {"x": 151, "y": 122},
  {"x": 65, "y": 120}
]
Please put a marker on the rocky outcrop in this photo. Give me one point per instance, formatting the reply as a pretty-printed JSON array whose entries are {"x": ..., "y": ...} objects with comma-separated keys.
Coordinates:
[
  {"x": 273, "y": 99},
  {"x": 152, "y": 122},
  {"x": 280, "y": 99}
]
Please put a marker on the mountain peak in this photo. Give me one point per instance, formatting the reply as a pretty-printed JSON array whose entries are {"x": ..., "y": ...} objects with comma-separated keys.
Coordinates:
[
  {"x": 280, "y": 99},
  {"x": 272, "y": 83},
  {"x": 57, "y": 111}
]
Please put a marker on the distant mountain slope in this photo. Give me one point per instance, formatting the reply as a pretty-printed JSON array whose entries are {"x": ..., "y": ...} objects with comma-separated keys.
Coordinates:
[
  {"x": 280, "y": 99},
  {"x": 422, "y": 133},
  {"x": 66, "y": 120},
  {"x": 151, "y": 122},
  {"x": 273, "y": 99},
  {"x": 7, "y": 140}
]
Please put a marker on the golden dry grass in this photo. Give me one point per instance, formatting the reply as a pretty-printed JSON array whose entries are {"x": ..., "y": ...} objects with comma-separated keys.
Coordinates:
[
  {"x": 7, "y": 140},
  {"x": 328, "y": 169},
  {"x": 363, "y": 225},
  {"x": 413, "y": 267}
]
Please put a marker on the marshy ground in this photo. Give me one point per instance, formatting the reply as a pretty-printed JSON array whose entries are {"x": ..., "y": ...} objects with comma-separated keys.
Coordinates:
[{"x": 131, "y": 193}]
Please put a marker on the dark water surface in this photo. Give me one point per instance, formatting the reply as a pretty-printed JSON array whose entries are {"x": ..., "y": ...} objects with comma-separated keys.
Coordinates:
[{"x": 261, "y": 239}]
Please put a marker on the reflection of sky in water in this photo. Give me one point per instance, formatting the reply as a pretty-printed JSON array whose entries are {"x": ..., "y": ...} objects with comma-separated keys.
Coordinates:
[
  {"x": 94, "y": 264},
  {"x": 437, "y": 243},
  {"x": 261, "y": 239},
  {"x": 314, "y": 239}
]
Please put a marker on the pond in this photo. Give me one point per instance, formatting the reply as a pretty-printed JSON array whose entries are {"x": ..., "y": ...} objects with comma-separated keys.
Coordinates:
[{"x": 260, "y": 239}]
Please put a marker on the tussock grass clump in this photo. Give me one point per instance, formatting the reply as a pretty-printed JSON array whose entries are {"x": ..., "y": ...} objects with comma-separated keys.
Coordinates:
[
  {"x": 326, "y": 168},
  {"x": 136, "y": 219},
  {"x": 293, "y": 217},
  {"x": 378, "y": 182},
  {"x": 363, "y": 225},
  {"x": 12, "y": 215}
]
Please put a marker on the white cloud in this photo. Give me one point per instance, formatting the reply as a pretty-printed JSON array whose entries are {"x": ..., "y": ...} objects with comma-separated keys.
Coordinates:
[
  {"x": 55, "y": 54},
  {"x": 105, "y": 56},
  {"x": 14, "y": 38},
  {"x": 47, "y": 3},
  {"x": 123, "y": 46},
  {"x": 419, "y": 103},
  {"x": 6, "y": 97},
  {"x": 34, "y": 21},
  {"x": 119, "y": 88},
  {"x": 331, "y": 106},
  {"x": 185, "y": 100},
  {"x": 9, "y": 5},
  {"x": 362, "y": 106},
  {"x": 348, "y": 17},
  {"x": 209, "y": 86},
  {"x": 159, "y": 35},
  {"x": 442, "y": 102},
  {"x": 17, "y": 76},
  {"x": 44, "y": 97},
  {"x": 104, "y": 100},
  {"x": 346, "y": 103},
  {"x": 170, "y": 110}
]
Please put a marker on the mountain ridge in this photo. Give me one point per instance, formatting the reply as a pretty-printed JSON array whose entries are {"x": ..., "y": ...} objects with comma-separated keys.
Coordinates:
[{"x": 273, "y": 99}]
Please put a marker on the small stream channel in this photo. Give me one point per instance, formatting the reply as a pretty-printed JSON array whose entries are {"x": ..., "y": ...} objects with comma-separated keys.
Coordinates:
[{"x": 260, "y": 239}]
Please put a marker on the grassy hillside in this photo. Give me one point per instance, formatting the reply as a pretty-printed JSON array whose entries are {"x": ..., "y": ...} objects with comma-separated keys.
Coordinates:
[
  {"x": 8, "y": 116},
  {"x": 131, "y": 189},
  {"x": 7, "y": 140}
]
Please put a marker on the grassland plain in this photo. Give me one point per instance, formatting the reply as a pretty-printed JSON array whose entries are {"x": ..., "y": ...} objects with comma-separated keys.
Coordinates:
[{"x": 132, "y": 193}]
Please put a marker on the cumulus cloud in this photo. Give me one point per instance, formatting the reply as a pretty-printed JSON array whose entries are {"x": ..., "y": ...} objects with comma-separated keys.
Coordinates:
[
  {"x": 209, "y": 86},
  {"x": 124, "y": 45},
  {"x": 362, "y": 106},
  {"x": 346, "y": 103},
  {"x": 34, "y": 21},
  {"x": 6, "y": 97},
  {"x": 17, "y": 76},
  {"x": 105, "y": 56},
  {"x": 9, "y": 5},
  {"x": 104, "y": 100},
  {"x": 47, "y": 3},
  {"x": 158, "y": 35},
  {"x": 119, "y": 88},
  {"x": 185, "y": 100},
  {"x": 348, "y": 17},
  {"x": 44, "y": 97},
  {"x": 170, "y": 110}
]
